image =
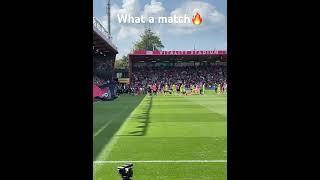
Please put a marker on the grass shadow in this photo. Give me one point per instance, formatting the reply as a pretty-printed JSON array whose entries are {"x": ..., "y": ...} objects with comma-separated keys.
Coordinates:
[
  {"x": 144, "y": 119},
  {"x": 109, "y": 117}
]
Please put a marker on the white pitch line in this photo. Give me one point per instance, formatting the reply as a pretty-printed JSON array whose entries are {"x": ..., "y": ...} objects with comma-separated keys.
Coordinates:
[
  {"x": 101, "y": 129},
  {"x": 162, "y": 161}
]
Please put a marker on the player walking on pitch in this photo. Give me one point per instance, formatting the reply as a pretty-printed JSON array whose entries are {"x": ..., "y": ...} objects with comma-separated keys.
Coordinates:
[
  {"x": 225, "y": 88},
  {"x": 173, "y": 88},
  {"x": 198, "y": 89},
  {"x": 166, "y": 89},
  {"x": 154, "y": 89},
  {"x": 158, "y": 89},
  {"x": 203, "y": 88},
  {"x": 193, "y": 89},
  {"x": 182, "y": 90},
  {"x": 215, "y": 88},
  {"x": 218, "y": 89},
  {"x": 222, "y": 88}
]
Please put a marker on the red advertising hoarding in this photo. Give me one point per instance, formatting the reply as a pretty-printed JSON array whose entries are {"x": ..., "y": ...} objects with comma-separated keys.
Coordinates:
[{"x": 196, "y": 52}]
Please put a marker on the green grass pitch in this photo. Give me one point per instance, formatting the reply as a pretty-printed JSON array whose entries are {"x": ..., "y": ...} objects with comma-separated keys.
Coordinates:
[{"x": 166, "y": 137}]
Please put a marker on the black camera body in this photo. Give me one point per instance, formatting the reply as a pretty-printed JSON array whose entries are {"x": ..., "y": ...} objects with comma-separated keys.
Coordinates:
[{"x": 126, "y": 171}]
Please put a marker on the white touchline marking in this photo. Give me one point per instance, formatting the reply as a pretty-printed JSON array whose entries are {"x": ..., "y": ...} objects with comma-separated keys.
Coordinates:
[
  {"x": 108, "y": 147},
  {"x": 101, "y": 129},
  {"x": 162, "y": 161}
]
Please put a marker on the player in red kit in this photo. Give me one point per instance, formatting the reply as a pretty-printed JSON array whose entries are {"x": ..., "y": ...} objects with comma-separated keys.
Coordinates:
[{"x": 154, "y": 89}]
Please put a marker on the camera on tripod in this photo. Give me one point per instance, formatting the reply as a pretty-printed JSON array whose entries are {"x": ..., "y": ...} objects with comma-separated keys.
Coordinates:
[{"x": 126, "y": 171}]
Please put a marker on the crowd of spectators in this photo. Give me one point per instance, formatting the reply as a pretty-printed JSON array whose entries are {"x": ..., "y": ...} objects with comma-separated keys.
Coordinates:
[
  {"x": 143, "y": 78},
  {"x": 209, "y": 76}
]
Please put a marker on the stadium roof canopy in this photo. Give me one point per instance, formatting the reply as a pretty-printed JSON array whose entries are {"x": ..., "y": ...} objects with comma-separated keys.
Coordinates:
[
  {"x": 101, "y": 41},
  {"x": 183, "y": 56}
]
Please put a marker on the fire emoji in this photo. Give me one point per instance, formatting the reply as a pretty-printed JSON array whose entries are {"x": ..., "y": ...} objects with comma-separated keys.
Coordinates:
[{"x": 197, "y": 20}]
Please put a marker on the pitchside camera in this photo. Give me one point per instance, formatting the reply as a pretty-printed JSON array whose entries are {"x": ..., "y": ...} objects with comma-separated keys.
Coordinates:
[{"x": 126, "y": 171}]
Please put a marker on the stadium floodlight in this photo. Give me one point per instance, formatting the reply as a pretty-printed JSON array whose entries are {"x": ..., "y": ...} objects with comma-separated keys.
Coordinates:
[
  {"x": 109, "y": 15},
  {"x": 126, "y": 171}
]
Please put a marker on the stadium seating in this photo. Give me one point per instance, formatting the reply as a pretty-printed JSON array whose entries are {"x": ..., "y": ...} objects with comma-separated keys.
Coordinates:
[{"x": 209, "y": 75}]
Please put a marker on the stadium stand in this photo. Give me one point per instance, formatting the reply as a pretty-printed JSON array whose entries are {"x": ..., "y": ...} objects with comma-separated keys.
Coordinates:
[
  {"x": 104, "y": 53},
  {"x": 187, "y": 75},
  {"x": 142, "y": 77}
]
